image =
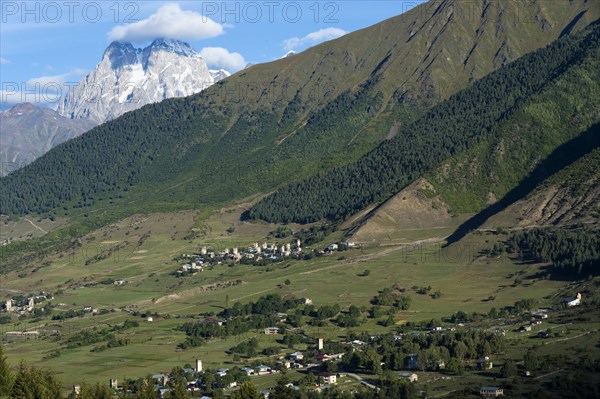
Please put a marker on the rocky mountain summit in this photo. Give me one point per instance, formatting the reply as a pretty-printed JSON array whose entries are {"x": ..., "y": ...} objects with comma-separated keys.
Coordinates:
[{"x": 128, "y": 78}]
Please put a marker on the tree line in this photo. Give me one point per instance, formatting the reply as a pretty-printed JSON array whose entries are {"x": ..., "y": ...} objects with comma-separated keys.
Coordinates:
[{"x": 572, "y": 252}]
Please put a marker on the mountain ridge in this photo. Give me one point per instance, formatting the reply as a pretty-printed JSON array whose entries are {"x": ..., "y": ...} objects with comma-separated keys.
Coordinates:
[
  {"x": 457, "y": 128},
  {"x": 27, "y": 132},
  {"x": 246, "y": 135}
]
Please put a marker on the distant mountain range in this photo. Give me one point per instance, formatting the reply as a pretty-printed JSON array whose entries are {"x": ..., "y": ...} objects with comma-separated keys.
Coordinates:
[
  {"x": 28, "y": 132},
  {"x": 126, "y": 79}
]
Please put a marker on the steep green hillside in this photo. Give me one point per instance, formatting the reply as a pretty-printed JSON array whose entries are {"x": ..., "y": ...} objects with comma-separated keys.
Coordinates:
[
  {"x": 279, "y": 122},
  {"x": 509, "y": 121},
  {"x": 488, "y": 171}
]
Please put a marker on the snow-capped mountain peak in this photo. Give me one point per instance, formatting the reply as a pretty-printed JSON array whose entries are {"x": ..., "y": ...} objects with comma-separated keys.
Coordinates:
[
  {"x": 128, "y": 78},
  {"x": 218, "y": 74},
  {"x": 289, "y": 54},
  {"x": 172, "y": 46}
]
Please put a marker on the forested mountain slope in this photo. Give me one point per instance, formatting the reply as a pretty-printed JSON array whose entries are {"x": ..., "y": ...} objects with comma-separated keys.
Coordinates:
[
  {"x": 509, "y": 121},
  {"x": 279, "y": 122}
]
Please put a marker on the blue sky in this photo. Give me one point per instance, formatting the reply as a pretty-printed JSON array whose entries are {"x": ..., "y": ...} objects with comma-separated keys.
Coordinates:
[{"x": 45, "y": 44}]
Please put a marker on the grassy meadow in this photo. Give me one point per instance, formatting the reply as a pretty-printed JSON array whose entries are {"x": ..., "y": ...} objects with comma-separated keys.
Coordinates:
[{"x": 142, "y": 249}]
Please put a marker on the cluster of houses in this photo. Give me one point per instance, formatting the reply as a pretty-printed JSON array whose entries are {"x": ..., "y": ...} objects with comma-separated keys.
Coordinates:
[
  {"x": 230, "y": 378},
  {"x": 536, "y": 320},
  {"x": 272, "y": 252},
  {"x": 296, "y": 359},
  {"x": 334, "y": 247},
  {"x": 27, "y": 306},
  {"x": 256, "y": 252}
]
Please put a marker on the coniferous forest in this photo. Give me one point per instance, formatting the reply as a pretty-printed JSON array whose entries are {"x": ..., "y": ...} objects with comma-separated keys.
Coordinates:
[
  {"x": 458, "y": 124},
  {"x": 571, "y": 252}
]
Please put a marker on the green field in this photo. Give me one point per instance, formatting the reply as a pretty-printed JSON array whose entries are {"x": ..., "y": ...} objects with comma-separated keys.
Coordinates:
[{"x": 466, "y": 281}]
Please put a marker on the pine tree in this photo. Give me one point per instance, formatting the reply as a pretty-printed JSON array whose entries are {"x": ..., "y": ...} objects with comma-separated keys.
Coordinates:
[
  {"x": 509, "y": 369},
  {"x": 6, "y": 376},
  {"x": 145, "y": 389},
  {"x": 281, "y": 390},
  {"x": 247, "y": 391},
  {"x": 21, "y": 388}
]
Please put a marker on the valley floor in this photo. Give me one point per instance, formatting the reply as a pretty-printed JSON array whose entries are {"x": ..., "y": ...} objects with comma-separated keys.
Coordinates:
[{"x": 142, "y": 251}]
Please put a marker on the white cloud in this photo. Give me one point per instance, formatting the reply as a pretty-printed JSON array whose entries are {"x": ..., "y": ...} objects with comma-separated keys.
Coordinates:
[
  {"x": 4, "y": 61},
  {"x": 313, "y": 38},
  {"x": 9, "y": 97},
  {"x": 168, "y": 22},
  {"x": 48, "y": 80},
  {"x": 219, "y": 57},
  {"x": 42, "y": 90}
]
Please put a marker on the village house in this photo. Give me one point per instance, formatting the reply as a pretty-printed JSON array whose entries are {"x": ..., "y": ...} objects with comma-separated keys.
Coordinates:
[
  {"x": 281, "y": 316},
  {"x": 188, "y": 370},
  {"x": 281, "y": 364},
  {"x": 484, "y": 363},
  {"x": 197, "y": 265},
  {"x": 306, "y": 301},
  {"x": 271, "y": 330},
  {"x": 296, "y": 356},
  {"x": 262, "y": 370},
  {"x": 328, "y": 378},
  {"x": 321, "y": 357},
  {"x": 573, "y": 300},
  {"x": 411, "y": 377},
  {"x": 491, "y": 391},
  {"x": 160, "y": 379},
  {"x": 222, "y": 372}
]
